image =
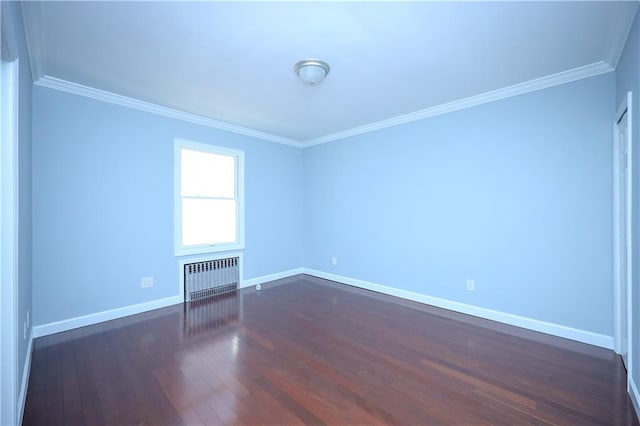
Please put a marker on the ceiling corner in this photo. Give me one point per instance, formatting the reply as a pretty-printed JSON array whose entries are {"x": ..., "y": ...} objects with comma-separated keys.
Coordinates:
[
  {"x": 625, "y": 13},
  {"x": 7, "y": 35},
  {"x": 33, "y": 21}
]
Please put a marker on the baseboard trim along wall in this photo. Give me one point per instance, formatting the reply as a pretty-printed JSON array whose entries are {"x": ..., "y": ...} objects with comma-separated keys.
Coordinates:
[
  {"x": 95, "y": 318},
  {"x": 90, "y": 319},
  {"x": 635, "y": 396},
  {"x": 22, "y": 397},
  {"x": 503, "y": 317},
  {"x": 271, "y": 277}
]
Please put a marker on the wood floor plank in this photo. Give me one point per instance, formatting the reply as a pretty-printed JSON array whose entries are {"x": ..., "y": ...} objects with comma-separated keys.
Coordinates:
[{"x": 308, "y": 351}]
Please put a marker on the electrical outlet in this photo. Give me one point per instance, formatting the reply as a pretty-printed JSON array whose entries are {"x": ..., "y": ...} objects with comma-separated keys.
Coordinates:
[
  {"x": 471, "y": 285},
  {"x": 146, "y": 282},
  {"x": 334, "y": 261}
]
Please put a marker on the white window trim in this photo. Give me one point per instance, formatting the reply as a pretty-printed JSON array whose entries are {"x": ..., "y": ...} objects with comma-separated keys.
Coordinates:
[{"x": 179, "y": 249}]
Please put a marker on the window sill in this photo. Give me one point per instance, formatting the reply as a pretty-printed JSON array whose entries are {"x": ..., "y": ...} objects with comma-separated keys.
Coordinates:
[{"x": 188, "y": 251}]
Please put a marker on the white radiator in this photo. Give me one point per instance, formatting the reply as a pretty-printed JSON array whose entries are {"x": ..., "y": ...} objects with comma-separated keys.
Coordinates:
[{"x": 210, "y": 277}]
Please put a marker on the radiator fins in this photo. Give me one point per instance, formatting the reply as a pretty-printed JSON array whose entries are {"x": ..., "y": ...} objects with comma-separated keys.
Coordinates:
[{"x": 210, "y": 277}]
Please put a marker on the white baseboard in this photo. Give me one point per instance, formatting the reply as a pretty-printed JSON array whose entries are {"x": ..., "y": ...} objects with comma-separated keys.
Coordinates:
[
  {"x": 635, "y": 396},
  {"x": 82, "y": 321},
  {"x": 22, "y": 398},
  {"x": 271, "y": 277},
  {"x": 90, "y": 319},
  {"x": 503, "y": 317}
]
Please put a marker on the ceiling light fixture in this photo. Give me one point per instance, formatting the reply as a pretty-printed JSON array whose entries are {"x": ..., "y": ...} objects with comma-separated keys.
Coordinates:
[{"x": 312, "y": 71}]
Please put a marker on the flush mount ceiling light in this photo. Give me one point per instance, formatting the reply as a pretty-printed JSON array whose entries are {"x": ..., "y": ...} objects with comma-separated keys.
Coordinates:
[{"x": 312, "y": 71}]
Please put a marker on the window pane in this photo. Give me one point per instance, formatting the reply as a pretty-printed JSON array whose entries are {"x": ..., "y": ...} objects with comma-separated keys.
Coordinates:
[
  {"x": 205, "y": 174},
  {"x": 208, "y": 221}
]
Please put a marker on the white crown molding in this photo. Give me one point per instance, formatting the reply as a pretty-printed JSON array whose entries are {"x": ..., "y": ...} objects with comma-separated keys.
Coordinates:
[
  {"x": 558, "y": 330},
  {"x": 102, "y": 95},
  {"x": 552, "y": 80},
  {"x": 32, "y": 22},
  {"x": 623, "y": 21},
  {"x": 494, "y": 95}
]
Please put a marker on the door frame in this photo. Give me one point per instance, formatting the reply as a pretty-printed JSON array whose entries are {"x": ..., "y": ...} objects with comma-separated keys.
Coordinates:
[
  {"x": 625, "y": 107},
  {"x": 9, "y": 242},
  {"x": 9, "y": 204}
]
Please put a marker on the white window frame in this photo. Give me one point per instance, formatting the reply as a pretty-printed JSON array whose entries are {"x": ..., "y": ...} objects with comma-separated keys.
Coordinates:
[{"x": 179, "y": 249}]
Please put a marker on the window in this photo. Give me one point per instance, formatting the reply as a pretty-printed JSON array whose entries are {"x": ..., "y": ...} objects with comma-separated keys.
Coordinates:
[{"x": 209, "y": 202}]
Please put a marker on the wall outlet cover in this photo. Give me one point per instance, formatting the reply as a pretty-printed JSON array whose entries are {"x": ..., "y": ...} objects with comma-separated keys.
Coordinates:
[{"x": 146, "y": 282}]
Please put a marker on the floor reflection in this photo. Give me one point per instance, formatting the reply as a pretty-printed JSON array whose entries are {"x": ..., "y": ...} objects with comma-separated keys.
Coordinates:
[
  {"x": 308, "y": 351},
  {"x": 211, "y": 312}
]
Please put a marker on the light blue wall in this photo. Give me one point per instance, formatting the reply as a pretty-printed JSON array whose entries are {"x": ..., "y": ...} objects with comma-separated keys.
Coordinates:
[
  {"x": 24, "y": 179},
  {"x": 103, "y": 204},
  {"x": 515, "y": 194},
  {"x": 628, "y": 79}
]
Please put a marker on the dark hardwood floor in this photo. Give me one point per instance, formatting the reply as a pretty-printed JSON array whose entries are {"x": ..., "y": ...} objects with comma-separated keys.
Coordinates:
[{"x": 308, "y": 351}]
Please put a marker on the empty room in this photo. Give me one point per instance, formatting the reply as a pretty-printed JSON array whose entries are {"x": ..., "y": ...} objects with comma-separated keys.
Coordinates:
[{"x": 298, "y": 212}]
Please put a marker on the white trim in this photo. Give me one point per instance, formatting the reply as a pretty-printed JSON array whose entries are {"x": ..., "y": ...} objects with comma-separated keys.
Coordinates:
[
  {"x": 494, "y": 95},
  {"x": 90, "y": 319},
  {"x": 634, "y": 395},
  {"x": 32, "y": 22},
  {"x": 22, "y": 399},
  {"x": 271, "y": 277},
  {"x": 102, "y": 95},
  {"x": 98, "y": 317},
  {"x": 204, "y": 258},
  {"x": 625, "y": 107},
  {"x": 623, "y": 21},
  {"x": 552, "y": 80},
  {"x": 9, "y": 245},
  {"x": 630, "y": 295},
  {"x": 179, "y": 249},
  {"x": 617, "y": 323},
  {"x": 503, "y": 317}
]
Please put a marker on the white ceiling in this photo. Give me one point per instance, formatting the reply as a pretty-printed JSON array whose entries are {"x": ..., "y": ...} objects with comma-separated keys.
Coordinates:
[{"x": 233, "y": 61}]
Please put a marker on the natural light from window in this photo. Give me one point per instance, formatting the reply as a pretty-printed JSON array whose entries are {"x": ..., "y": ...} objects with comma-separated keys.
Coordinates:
[{"x": 208, "y": 198}]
